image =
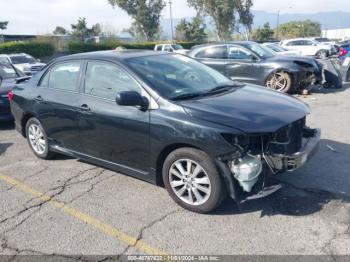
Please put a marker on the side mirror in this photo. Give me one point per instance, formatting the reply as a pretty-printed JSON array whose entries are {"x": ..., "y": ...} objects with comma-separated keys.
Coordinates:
[
  {"x": 254, "y": 58},
  {"x": 132, "y": 98}
]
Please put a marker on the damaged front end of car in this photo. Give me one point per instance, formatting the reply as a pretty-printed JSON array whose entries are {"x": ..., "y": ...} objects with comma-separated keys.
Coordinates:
[{"x": 251, "y": 169}]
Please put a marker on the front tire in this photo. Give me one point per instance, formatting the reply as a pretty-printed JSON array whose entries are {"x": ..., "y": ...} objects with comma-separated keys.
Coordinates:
[
  {"x": 279, "y": 81},
  {"x": 37, "y": 139},
  {"x": 193, "y": 181}
]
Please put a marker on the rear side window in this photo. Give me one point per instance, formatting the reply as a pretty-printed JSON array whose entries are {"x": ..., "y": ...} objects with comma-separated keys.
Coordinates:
[
  {"x": 167, "y": 48},
  {"x": 107, "y": 80},
  {"x": 238, "y": 53},
  {"x": 65, "y": 76},
  {"x": 215, "y": 52},
  {"x": 293, "y": 43},
  {"x": 159, "y": 48},
  {"x": 44, "y": 82},
  {"x": 305, "y": 42}
]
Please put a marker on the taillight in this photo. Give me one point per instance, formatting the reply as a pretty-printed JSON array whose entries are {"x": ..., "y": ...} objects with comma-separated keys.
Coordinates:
[
  {"x": 343, "y": 51},
  {"x": 10, "y": 95}
]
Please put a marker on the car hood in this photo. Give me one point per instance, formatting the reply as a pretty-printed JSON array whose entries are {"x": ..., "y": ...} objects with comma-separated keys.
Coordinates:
[
  {"x": 291, "y": 58},
  {"x": 251, "y": 109}
]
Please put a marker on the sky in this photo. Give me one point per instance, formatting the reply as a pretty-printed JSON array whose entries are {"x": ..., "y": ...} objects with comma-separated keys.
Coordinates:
[{"x": 42, "y": 16}]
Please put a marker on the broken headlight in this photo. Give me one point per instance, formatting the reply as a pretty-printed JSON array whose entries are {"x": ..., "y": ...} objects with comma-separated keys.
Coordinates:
[{"x": 246, "y": 171}]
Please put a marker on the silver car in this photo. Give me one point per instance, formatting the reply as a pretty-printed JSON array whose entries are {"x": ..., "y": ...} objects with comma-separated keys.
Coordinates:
[{"x": 24, "y": 62}]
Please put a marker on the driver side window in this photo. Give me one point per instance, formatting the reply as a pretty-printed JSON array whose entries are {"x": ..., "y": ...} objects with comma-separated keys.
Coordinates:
[{"x": 106, "y": 80}]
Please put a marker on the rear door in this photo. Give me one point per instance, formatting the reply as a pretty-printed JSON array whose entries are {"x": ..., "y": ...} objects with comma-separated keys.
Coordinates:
[
  {"x": 108, "y": 131},
  {"x": 214, "y": 56},
  {"x": 56, "y": 101},
  {"x": 309, "y": 47},
  {"x": 295, "y": 45}
]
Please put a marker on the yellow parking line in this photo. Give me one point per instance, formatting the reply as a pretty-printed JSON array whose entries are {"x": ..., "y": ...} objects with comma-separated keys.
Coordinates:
[{"x": 105, "y": 228}]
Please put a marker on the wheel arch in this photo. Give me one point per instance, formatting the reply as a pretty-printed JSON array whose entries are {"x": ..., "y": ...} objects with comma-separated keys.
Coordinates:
[
  {"x": 164, "y": 154},
  {"x": 24, "y": 120}
]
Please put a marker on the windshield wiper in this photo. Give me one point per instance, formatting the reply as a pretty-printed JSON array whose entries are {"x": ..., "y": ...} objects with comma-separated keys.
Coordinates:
[
  {"x": 186, "y": 96},
  {"x": 224, "y": 88}
]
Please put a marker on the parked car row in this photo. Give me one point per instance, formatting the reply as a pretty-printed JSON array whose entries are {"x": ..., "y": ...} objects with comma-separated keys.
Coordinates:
[
  {"x": 253, "y": 63},
  {"x": 24, "y": 62},
  {"x": 309, "y": 47},
  {"x": 14, "y": 69}
]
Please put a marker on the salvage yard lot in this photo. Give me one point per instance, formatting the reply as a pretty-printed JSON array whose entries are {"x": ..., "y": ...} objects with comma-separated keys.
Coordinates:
[{"x": 65, "y": 206}]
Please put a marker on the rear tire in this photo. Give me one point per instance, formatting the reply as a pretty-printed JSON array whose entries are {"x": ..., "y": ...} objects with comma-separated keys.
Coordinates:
[
  {"x": 193, "y": 181},
  {"x": 37, "y": 139},
  {"x": 322, "y": 54}
]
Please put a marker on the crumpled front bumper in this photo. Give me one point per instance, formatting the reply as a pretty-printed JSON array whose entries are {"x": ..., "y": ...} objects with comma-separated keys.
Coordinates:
[
  {"x": 292, "y": 162},
  {"x": 274, "y": 164}
]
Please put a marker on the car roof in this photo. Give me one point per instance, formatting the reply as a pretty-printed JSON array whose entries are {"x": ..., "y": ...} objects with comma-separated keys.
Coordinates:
[
  {"x": 242, "y": 43},
  {"x": 14, "y": 54},
  {"x": 296, "y": 39},
  {"x": 111, "y": 55}
]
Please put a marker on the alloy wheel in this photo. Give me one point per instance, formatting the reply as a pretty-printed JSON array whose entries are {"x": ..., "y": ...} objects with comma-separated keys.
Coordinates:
[
  {"x": 277, "y": 81},
  {"x": 190, "y": 182},
  {"x": 37, "y": 138}
]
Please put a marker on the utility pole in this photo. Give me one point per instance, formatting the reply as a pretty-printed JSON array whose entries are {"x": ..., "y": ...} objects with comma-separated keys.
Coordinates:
[
  {"x": 171, "y": 22},
  {"x": 278, "y": 25}
]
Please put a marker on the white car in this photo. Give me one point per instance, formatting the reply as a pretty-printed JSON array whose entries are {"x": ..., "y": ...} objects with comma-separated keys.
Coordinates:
[
  {"x": 309, "y": 47},
  {"x": 24, "y": 62},
  {"x": 275, "y": 47},
  {"x": 171, "y": 48}
]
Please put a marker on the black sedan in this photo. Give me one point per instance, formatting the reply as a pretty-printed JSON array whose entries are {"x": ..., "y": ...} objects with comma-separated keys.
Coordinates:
[
  {"x": 9, "y": 76},
  {"x": 253, "y": 63},
  {"x": 166, "y": 119}
]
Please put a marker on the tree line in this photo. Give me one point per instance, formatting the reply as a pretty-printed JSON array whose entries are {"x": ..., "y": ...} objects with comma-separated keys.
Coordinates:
[
  {"x": 227, "y": 15},
  {"x": 230, "y": 18},
  {"x": 293, "y": 29}
]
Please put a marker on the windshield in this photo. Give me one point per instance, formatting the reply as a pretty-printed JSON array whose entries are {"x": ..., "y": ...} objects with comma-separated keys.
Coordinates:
[
  {"x": 7, "y": 71},
  {"x": 174, "y": 76},
  {"x": 177, "y": 47},
  {"x": 276, "y": 48},
  {"x": 261, "y": 51},
  {"x": 23, "y": 59}
]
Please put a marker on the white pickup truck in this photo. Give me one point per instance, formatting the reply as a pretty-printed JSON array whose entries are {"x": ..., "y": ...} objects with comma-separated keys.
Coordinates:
[{"x": 171, "y": 48}]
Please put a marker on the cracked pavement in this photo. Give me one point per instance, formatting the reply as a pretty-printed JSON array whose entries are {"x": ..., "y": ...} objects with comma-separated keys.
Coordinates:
[{"x": 309, "y": 216}]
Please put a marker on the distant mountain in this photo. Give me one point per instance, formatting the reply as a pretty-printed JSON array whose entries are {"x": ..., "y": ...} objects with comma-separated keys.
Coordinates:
[{"x": 328, "y": 20}]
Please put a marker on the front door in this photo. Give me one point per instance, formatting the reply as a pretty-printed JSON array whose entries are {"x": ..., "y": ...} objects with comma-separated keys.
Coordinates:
[
  {"x": 241, "y": 66},
  {"x": 108, "y": 131}
]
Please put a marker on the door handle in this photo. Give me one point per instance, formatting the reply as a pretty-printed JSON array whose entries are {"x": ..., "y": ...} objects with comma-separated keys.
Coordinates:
[
  {"x": 85, "y": 107},
  {"x": 38, "y": 99}
]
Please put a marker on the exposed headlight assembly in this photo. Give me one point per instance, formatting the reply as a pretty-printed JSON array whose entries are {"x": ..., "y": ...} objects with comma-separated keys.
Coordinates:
[{"x": 247, "y": 171}]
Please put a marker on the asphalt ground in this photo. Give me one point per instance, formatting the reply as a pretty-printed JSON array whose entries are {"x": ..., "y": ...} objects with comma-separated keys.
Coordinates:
[{"x": 65, "y": 207}]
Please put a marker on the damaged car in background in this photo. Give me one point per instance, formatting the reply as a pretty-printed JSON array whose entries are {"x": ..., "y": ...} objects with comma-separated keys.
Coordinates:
[
  {"x": 253, "y": 63},
  {"x": 167, "y": 119}
]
